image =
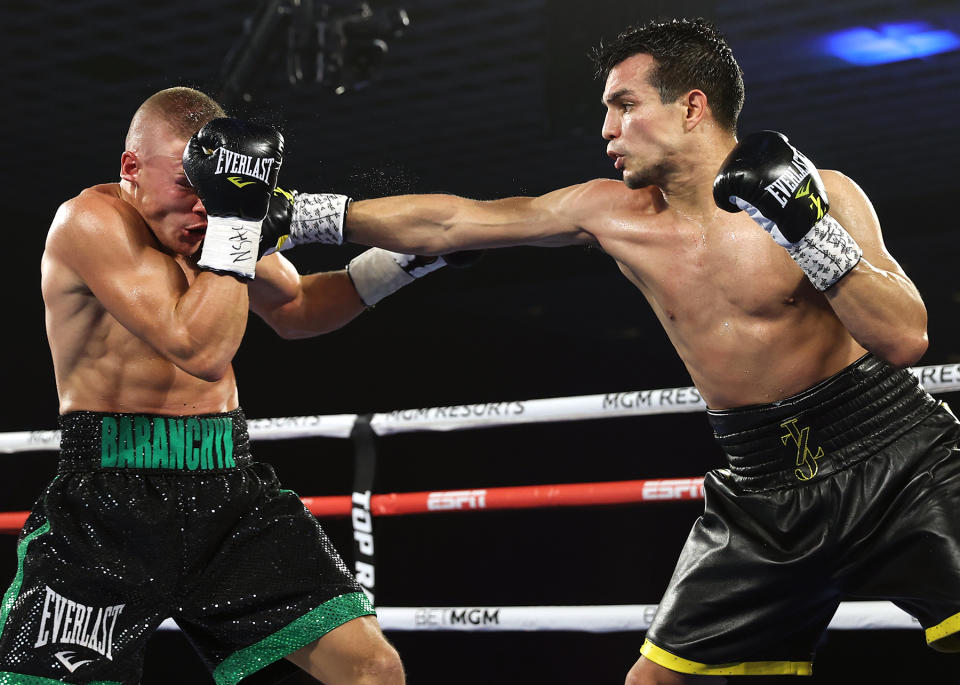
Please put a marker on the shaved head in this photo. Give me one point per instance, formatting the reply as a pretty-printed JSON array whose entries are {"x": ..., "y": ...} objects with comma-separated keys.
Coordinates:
[{"x": 179, "y": 111}]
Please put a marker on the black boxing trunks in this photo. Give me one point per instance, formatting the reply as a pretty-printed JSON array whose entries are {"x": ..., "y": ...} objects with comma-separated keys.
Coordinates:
[
  {"x": 849, "y": 490},
  {"x": 151, "y": 517}
]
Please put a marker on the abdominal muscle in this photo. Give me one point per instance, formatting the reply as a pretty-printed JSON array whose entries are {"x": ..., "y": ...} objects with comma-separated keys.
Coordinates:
[
  {"x": 749, "y": 363},
  {"x": 148, "y": 386},
  {"x": 101, "y": 366}
]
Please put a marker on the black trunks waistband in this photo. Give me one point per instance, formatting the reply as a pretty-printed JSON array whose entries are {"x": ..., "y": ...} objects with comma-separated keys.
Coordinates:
[
  {"x": 191, "y": 444},
  {"x": 837, "y": 422}
]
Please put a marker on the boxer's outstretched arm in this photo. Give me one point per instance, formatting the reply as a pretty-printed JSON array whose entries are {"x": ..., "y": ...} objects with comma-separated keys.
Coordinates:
[
  {"x": 196, "y": 326},
  {"x": 438, "y": 224}
]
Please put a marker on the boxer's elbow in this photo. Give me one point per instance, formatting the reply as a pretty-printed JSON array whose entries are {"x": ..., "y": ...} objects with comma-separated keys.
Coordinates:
[
  {"x": 289, "y": 331},
  {"x": 299, "y": 329},
  {"x": 208, "y": 363},
  {"x": 904, "y": 349},
  {"x": 210, "y": 370},
  {"x": 284, "y": 331},
  {"x": 913, "y": 350},
  {"x": 299, "y": 320},
  {"x": 213, "y": 374}
]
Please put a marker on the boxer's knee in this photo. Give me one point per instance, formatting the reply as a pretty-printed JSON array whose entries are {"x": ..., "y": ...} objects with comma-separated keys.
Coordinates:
[
  {"x": 355, "y": 653},
  {"x": 383, "y": 668}
]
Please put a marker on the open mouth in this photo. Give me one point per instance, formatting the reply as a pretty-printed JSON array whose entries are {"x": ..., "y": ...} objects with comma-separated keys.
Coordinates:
[{"x": 193, "y": 235}]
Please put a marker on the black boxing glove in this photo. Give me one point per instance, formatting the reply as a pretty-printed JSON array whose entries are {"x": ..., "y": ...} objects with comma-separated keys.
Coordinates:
[
  {"x": 275, "y": 230},
  {"x": 377, "y": 273},
  {"x": 782, "y": 191},
  {"x": 233, "y": 166}
]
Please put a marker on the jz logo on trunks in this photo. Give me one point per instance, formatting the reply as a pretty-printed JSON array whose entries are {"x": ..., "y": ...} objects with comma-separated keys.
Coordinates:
[
  {"x": 807, "y": 466},
  {"x": 66, "y": 622}
]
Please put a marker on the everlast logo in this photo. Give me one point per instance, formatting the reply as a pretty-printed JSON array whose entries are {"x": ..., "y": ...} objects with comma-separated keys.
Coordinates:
[
  {"x": 782, "y": 189},
  {"x": 66, "y": 622},
  {"x": 145, "y": 442},
  {"x": 236, "y": 163}
]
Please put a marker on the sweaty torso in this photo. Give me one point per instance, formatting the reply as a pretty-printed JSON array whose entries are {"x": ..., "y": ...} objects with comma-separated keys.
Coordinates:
[
  {"x": 746, "y": 322},
  {"x": 99, "y": 364}
]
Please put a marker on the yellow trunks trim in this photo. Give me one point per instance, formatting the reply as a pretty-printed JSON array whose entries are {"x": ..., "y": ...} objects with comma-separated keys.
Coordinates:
[
  {"x": 943, "y": 637},
  {"x": 675, "y": 663}
]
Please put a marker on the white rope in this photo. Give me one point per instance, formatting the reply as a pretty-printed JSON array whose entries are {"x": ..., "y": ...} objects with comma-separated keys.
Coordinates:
[
  {"x": 935, "y": 379},
  {"x": 285, "y": 428},
  {"x": 605, "y": 406},
  {"x": 30, "y": 441},
  {"x": 281, "y": 428},
  {"x": 593, "y": 619}
]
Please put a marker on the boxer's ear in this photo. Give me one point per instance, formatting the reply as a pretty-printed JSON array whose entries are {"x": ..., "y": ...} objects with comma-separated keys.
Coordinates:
[{"x": 129, "y": 166}]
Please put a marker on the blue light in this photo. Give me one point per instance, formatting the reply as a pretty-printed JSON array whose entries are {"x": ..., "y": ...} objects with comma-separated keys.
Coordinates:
[{"x": 890, "y": 43}]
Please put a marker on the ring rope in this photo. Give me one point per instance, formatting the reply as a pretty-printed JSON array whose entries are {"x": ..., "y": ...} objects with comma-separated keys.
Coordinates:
[
  {"x": 607, "y": 618},
  {"x": 934, "y": 379},
  {"x": 483, "y": 499}
]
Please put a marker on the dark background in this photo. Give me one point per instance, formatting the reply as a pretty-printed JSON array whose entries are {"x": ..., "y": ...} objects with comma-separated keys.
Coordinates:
[{"x": 484, "y": 99}]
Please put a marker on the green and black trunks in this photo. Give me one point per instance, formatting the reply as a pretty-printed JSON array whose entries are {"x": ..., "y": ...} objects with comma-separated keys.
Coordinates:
[
  {"x": 849, "y": 490},
  {"x": 151, "y": 517}
]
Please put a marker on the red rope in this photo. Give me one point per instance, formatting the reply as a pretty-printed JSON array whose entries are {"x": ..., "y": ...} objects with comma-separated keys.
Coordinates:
[{"x": 520, "y": 497}]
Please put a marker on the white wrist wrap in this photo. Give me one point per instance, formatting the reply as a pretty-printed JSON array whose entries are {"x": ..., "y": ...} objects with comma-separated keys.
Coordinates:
[
  {"x": 318, "y": 218},
  {"x": 376, "y": 273},
  {"x": 826, "y": 253},
  {"x": 230, "y": 244}
]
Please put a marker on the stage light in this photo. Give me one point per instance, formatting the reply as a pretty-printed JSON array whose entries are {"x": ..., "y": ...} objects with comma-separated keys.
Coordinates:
[
  {"x": 336, "y": 47},
  {"x": 890, "y": 43}
]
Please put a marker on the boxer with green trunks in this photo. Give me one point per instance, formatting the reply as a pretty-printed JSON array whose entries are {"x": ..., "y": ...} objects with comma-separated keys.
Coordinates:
[
  {"x": 153, "y": 516},
  {"x": 158, "y": 508}
]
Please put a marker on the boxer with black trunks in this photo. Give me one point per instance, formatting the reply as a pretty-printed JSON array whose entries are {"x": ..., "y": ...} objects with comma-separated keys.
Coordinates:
[
  {"x": 158, "y": 509},
  {"x": 843, "y": 477},
  {"x": 846, "y": 517}
]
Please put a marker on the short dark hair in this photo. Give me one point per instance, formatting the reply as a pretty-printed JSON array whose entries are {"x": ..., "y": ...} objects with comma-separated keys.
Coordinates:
[{"x": 689, "y": 54}]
